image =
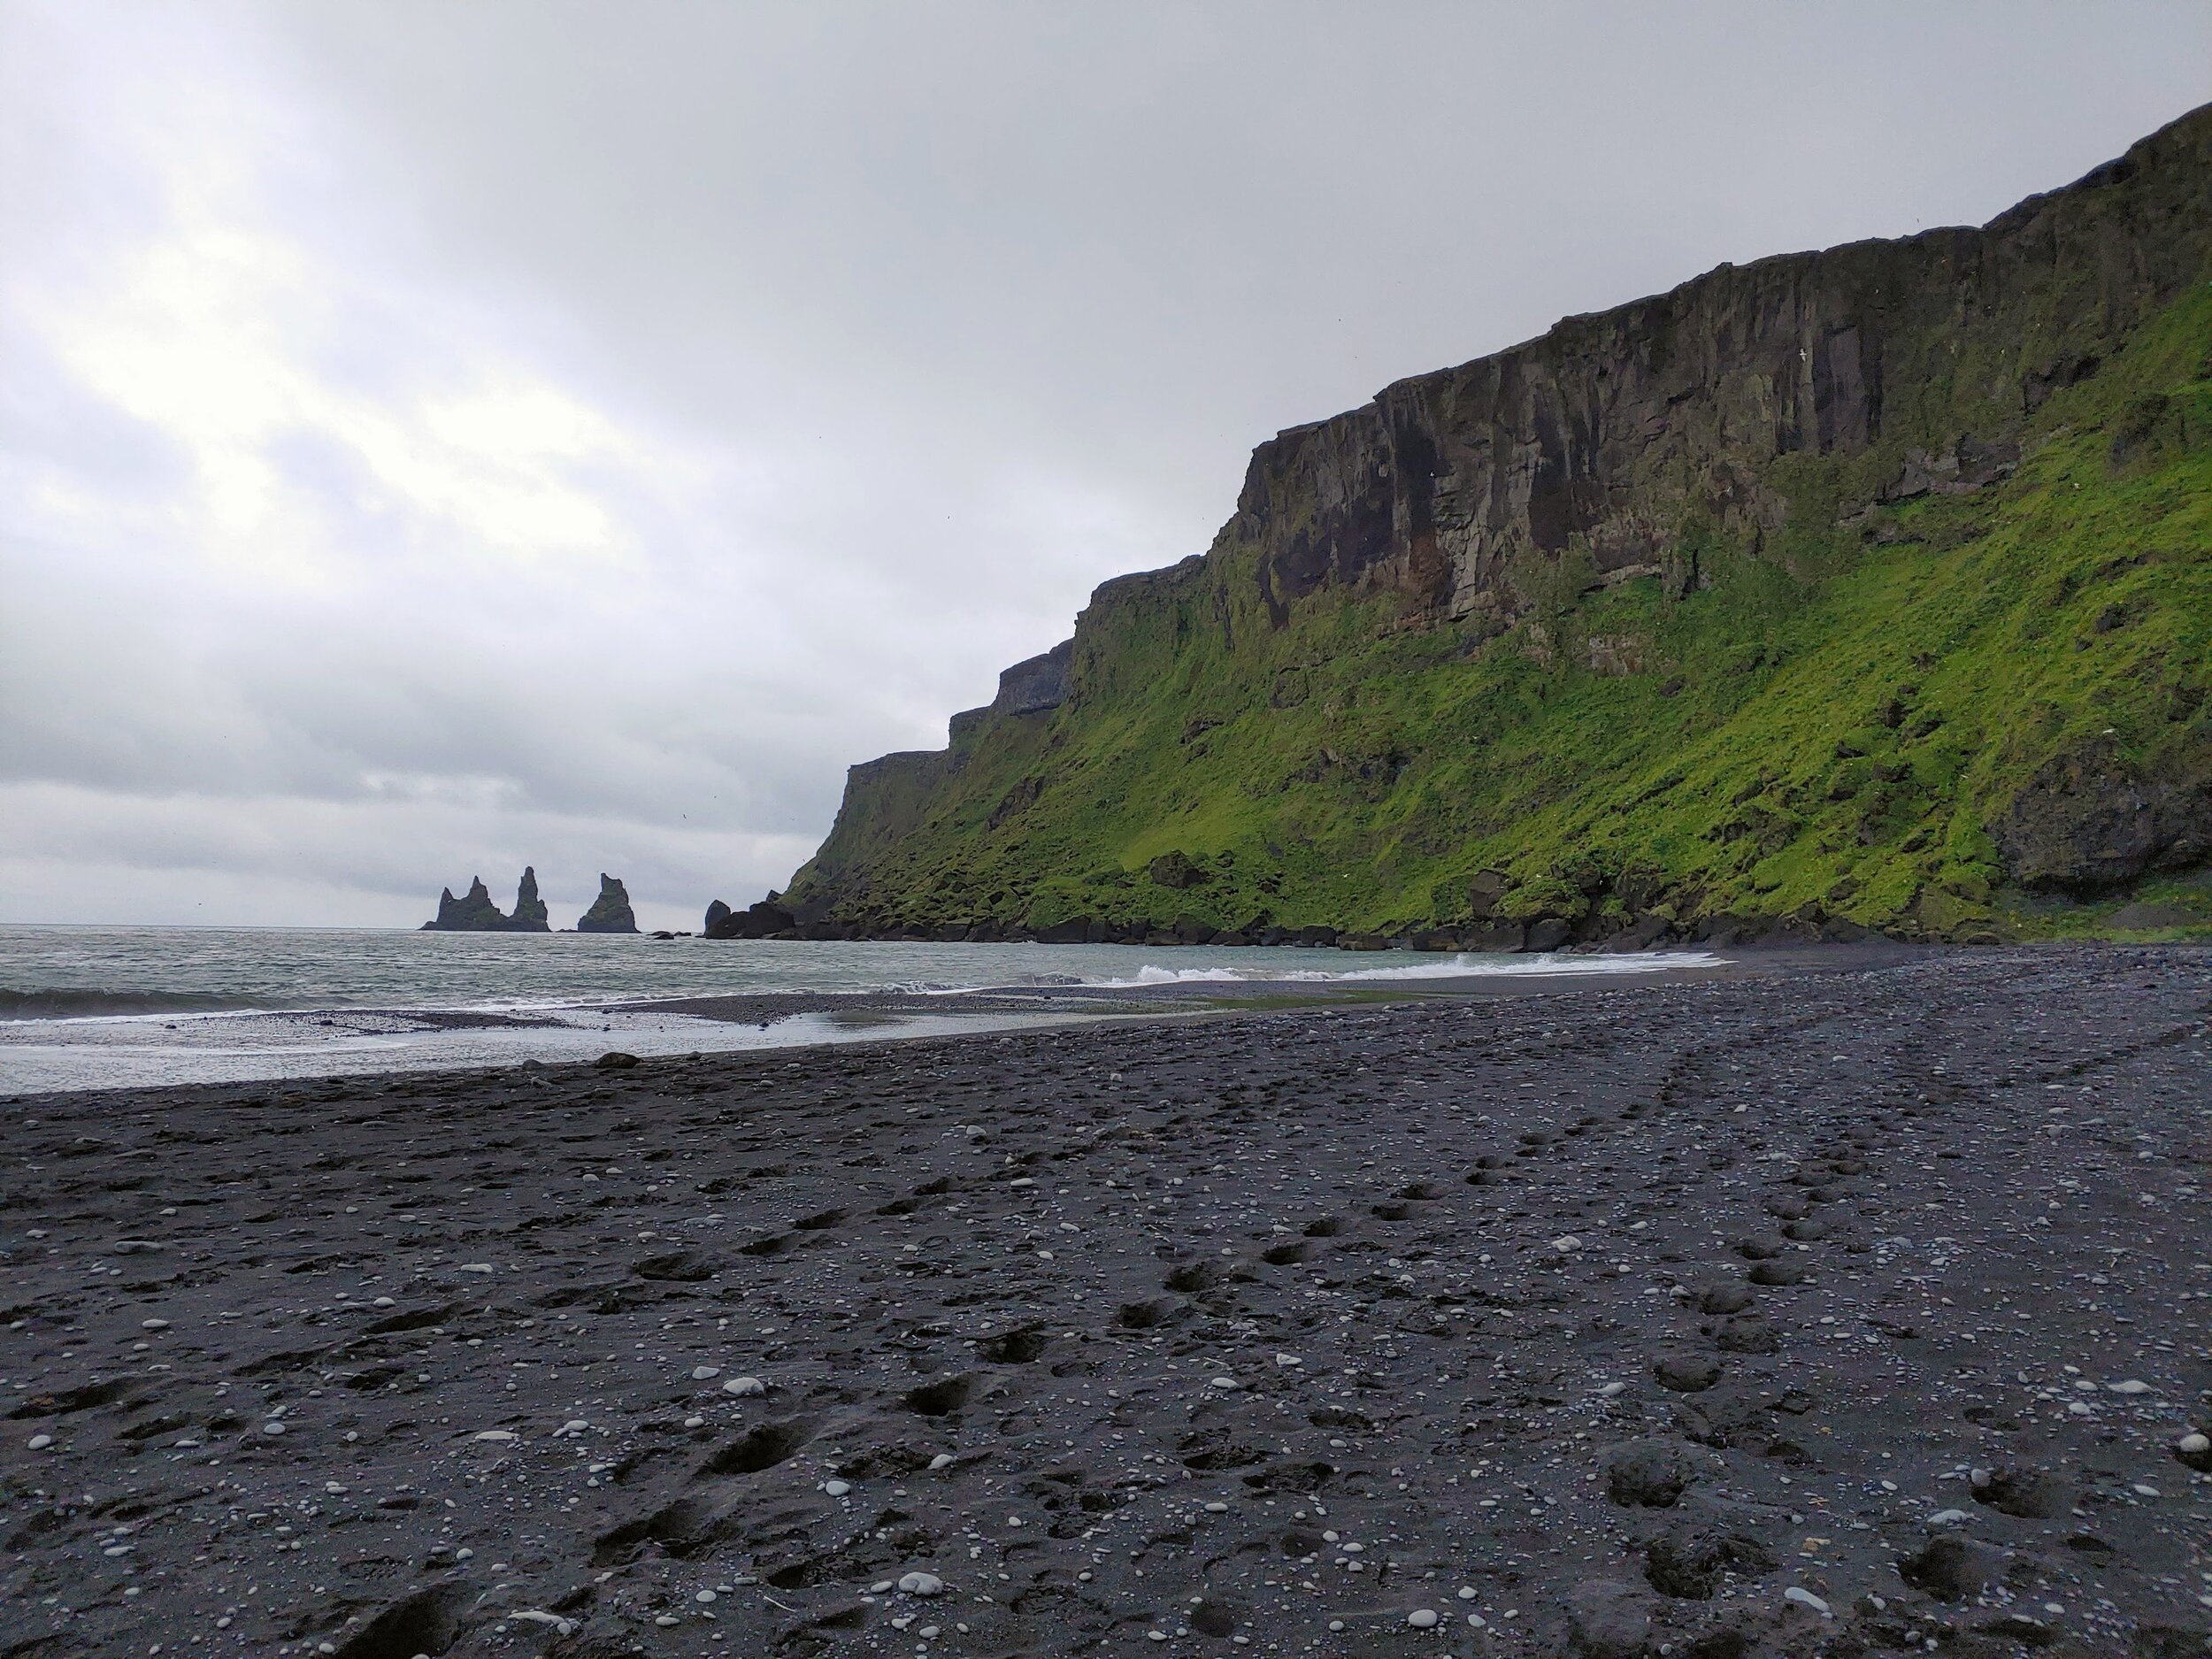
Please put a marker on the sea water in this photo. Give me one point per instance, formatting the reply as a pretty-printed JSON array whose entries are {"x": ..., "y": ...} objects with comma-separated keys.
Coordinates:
[{"x": 111, "y": 1007}]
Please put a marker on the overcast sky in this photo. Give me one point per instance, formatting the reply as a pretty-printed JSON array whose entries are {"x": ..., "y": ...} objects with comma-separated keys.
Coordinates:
[{"x": 436, "y": 437}]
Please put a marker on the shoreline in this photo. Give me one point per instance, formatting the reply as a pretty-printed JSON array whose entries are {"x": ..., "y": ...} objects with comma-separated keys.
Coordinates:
[{"x": 136, "y": 1051}]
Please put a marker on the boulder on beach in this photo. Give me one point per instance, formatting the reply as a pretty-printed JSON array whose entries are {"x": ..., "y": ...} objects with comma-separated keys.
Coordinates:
[{"x": 610, "y": 912}]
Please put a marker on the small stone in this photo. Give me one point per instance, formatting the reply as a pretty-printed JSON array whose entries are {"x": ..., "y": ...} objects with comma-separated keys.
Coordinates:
[
  {"x": 1805, "y": 1598},
  {"x": 476, "y": 1267},
  {"x": 944, "y": 1460},
  {"x": 703, "y": 1597},
  {"x": 837, "y": 1489},
  {"x": 153, "y": 1324},
  {"x": 2195, "y": 1450},
  {"x": 2132, "y": 1385},
  {"x": 1947, "y": 1517},
  {"x": 39, "y": 1442},
  {"x": 922, "y": 1584},
  {"x": 705, "y": 1373},
  {"x": 1421, "y": 1618},
  {"x": 497, "y": 1436},
  {"x": 745, "y": 1387},
  {"x": 272, "y": 1428},
  {"x": 1216, "y": 1508},
  {"x": 1222, "y": 1382},
  {"x": 1566, "y": 1243}
]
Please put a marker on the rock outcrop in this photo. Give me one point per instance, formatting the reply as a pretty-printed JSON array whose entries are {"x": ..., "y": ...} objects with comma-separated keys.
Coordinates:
[
  {"x": 610, "y": 912},
  {"x": 473, "y": 912},
  {"x": 530, "y": 915},
  {"x": 766, "y": 920},
  {"x": 1755, "y": 435}
]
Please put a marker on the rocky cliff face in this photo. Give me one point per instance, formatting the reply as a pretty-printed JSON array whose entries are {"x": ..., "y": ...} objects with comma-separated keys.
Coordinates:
[
  {"x": 610, "y": 912},
  {"x": 1793, "y": 413}
]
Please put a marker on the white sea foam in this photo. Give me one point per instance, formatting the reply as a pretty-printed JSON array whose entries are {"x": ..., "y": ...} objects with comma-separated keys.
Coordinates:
[{"x": 1449, "y": 968}]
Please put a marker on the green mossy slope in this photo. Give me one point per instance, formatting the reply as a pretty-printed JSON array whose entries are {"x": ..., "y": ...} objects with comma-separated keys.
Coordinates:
[{"x": 1831, "y": 729}]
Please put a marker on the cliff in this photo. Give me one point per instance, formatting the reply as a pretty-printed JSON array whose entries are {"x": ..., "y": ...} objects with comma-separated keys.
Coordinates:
[{"x": 1862, "y": 588}]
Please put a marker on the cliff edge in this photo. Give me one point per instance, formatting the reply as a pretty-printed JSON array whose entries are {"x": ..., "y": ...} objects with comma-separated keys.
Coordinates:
[{"x": 1866, "y": 588}]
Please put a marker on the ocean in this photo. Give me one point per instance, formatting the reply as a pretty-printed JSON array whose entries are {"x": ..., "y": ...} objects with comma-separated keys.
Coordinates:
[{"x": 133, "y": 1007}]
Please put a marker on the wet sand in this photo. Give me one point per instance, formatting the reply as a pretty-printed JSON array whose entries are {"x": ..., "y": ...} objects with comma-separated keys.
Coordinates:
[{"x": 1851, "y": 1304}]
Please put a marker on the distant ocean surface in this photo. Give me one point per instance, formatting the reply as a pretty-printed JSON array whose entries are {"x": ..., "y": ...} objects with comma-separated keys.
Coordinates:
[{"x": 107, "y": 1007}]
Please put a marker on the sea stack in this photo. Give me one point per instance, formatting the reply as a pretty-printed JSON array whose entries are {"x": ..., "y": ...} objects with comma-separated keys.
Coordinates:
[
  {"x": 530, "y": 913},
  {"x": 611, "y": 912},
  {"x": 472, "y": 913}
]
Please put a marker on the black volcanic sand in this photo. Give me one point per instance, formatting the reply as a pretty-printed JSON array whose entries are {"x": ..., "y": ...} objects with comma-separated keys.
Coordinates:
[{"x": 1848, "y": 1312}]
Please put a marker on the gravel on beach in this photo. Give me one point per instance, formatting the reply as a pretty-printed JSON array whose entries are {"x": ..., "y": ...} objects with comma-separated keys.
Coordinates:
[{"x": 1852, "y": 1310}]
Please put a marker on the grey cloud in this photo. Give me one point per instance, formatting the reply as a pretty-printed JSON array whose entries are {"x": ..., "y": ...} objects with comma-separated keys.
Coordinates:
[{"x": 434, "y": 438}]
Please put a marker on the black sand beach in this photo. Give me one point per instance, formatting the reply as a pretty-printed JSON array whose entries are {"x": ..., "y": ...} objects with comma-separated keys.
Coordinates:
[{"x": 1859, "y": 1308}]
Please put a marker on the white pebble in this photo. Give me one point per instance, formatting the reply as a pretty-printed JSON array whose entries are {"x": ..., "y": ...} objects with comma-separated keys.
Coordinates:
[
  {"x": 922, "y": 1584},
  {"x": 39, "y": 1442},
  {"x": 1216, "y": 1508},
  {"x": 837, "y": 1489},
  {"x": 272, "y": 1428},
  {"x": 476, "y": 1267},
  {"x": 705, "y": 1373},
  {"x": 1222, "y": 1382},
  {"x": 500, "y": 1436},
  {"x": 2193, "y": 1445},
  {"x": 575, "y": 1425},
  {"x": 1947, "y": 1517},
  {"x": 1421, "y": 1618},
  {"x": 1799, "y": 1593},
  {"x": 153, "y": 1324},
  {"x": 703, "y": 1597},
  {"x": 1566, "y": 1241},
  {"x": 745, "y": 1387},
  {"x": 1466, "y": 1592},
  {"x": 2132, "y": 1385},
  {"x": 944, "y": 1460}
]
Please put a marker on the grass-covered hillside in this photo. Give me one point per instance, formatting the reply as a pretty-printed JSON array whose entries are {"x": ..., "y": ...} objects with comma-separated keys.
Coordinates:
[{"x": 1960, "y": 712}]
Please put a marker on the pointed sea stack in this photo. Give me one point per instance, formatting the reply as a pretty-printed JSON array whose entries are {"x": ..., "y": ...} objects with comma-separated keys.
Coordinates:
[
  {"x": 530, "y": 913},
  {"x": 611, "y": 912},
  {"x": 472, "y": 913}
]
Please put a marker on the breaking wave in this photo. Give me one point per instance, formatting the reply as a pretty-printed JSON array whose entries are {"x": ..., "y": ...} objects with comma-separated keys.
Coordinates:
[{"x": 1449, "y": 968}]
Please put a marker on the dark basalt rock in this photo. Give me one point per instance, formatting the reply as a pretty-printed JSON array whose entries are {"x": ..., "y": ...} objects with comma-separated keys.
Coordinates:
[
  {"x": 1175, "y": 870},
  {"x": 610, "y": 912},
  {"x": 762, "y": 920},
  {"x": 472, "y": 913},
  {"x": 530, "y": 914},
  {"x": 475, "y": 913},
  {"x": 2090, "y": 820}
]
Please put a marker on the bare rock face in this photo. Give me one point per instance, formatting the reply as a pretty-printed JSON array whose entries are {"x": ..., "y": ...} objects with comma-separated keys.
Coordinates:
[
  {"x": 610, "y": 912},
  {"x": 763, "y": 920},
  {"x": 2088, "y": 820},
  {"x": 472, "y": 913},
  {"x": 530, "y": 915}
]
